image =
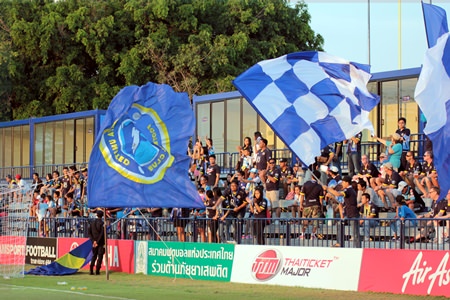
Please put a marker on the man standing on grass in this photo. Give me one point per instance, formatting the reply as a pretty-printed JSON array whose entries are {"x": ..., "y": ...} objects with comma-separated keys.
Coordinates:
[{"x": 96, "y": 235}]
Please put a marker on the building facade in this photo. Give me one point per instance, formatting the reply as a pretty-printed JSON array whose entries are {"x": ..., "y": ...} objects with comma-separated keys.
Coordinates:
[{"x": 42, "y": 144}]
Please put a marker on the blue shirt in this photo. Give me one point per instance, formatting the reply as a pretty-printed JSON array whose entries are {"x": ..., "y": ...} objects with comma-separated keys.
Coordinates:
[{"x": 405, "y": 212}]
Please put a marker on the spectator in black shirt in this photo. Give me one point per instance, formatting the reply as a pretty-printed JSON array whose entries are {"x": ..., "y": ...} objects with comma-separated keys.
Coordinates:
[
  {"x": 96, "y": 235},
  {"x": 348, "y": 207},
  {"x": 405, "y": 134}
]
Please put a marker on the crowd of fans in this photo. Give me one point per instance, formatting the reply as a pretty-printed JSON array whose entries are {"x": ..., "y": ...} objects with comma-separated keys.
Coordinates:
[
  {"x": 262, "y": 187},
  {"x": 398, "y": 187},
  {"x": 58, "y": 196}
]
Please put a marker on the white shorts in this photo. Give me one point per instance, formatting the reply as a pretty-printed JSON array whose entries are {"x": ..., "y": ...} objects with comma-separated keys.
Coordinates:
[
  {"x": 274, "y": 198},
  {"x": 40, "y": 217}
]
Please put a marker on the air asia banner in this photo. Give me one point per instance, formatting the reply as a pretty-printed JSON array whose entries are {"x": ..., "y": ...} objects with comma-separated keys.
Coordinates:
[
  {"x": 298, "y": 266},
  {"x": 191, "y": 260},
  {"x": 415, "y": 272},
  {"x": 40, "y": 251}
]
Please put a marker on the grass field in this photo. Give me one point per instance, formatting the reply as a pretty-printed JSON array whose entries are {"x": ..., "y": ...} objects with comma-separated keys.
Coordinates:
[{"x": 126, "y": 286}]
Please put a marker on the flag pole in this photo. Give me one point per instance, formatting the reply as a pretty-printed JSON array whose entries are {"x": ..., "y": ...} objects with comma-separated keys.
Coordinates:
[
  {"x": 426, "y": 31},
  {"x": 106, "y": 244}
]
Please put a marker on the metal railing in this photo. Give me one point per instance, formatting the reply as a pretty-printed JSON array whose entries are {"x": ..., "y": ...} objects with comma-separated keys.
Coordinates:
[
  {"x": 27, "y": 171},
  {"x": 376, "y": 233}
]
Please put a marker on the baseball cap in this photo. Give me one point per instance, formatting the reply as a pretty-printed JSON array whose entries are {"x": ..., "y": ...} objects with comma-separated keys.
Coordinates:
[
  {"x": 388, "y": 165},
  {"x": 84, "y": 170},
  {"x": 334, "y": 169},
  {"x": 254, "y": 170},
  {"x": 18, "y": 176},
  {"x": 283, "y": 160},
  {"x": 401, "y": 186}
]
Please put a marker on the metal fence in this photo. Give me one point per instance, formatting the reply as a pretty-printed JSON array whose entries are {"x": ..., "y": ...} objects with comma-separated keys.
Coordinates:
[{"x": 427, "y": 234}]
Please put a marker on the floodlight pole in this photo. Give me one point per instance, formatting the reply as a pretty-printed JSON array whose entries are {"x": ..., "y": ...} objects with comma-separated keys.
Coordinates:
[
  {"x": 368, "y": 29},
  {"x": 399, "y": 34}
]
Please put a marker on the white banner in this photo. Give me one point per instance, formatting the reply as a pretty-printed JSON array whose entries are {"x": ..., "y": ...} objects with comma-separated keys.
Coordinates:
[
  {"x": 327, "y": 268},
  {"x": 141, "y": 257}
]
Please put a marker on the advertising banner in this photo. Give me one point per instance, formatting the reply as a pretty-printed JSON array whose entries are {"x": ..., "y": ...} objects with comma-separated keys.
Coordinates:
[
  {"x": 191, "y": 260},
  {"x": 120, "y": 253},
  {"x": 40, "y": 251},
  {"x": 416, "y": 272},
  {"x": 334, "y": 268},
  {"x": 141, "y": 261},
  {"x": 12, "y": 250}
]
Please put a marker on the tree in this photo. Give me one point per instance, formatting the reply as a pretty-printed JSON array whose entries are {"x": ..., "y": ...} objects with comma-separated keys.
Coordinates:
[{"x": 74, "y": 55}]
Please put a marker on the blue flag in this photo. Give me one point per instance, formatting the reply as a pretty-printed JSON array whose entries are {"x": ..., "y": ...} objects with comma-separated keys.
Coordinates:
[
  {"x": 433, "y": 97},
  {"x": 435, "y": 22},
  {"x": 310, "y": 99},
  {"x": 67, "y": 264},
  {"x": 139, "y": 158}
]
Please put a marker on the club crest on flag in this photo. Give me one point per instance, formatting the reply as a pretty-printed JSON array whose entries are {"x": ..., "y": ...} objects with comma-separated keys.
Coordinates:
[
  {"x": 137, "y": 145},
  {"x": 139, "y": 158}
]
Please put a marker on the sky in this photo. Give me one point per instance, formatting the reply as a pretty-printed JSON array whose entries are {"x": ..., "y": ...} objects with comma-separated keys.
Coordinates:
[{"x": 345, "y": 29}]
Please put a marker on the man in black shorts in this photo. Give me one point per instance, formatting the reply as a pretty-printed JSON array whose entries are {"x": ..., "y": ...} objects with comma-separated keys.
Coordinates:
[{"x": 311, "y": 198}]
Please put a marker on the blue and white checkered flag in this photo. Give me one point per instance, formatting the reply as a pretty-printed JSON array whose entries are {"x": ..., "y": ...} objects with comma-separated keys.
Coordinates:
[
  {"x": 310, "y": 99},
  {"x": 433, "y": 97}
]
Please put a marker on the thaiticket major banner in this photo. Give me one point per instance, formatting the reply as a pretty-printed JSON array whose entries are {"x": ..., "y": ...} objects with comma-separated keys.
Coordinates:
[{"x": 139, "y": 158}]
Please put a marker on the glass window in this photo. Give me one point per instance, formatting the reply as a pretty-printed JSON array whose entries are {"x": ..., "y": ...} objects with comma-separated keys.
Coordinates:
[
  {"x": 26, "y": 145},
  {"x": 69, "y": 139},
  {"x": 279, "y": 143},
  {"x": 389, "y": 109},
  {"x": 408, "y": 106},
  {"x": 80, "y": 141},
  {"x": 39, "y": 144},
  {"x": 59, "y": 142},
  {"x": 267, "y": 133},
  {"x": 249, "y": 121},
  {"x": 218, "y": 126},
  {"x": 203, "y": 119},
  {"x": 89, "y": 137},
  {"x": 233, "y": 125},
  {"x": 48, "y": 143},
  {"x": 17, "y": 143},
  {"x": 8, "y": 150}
]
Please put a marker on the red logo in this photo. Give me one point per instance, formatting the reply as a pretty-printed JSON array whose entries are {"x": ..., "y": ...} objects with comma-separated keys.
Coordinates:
[
  {"x": 266, "y": 265},
  {"x": 73, "y": 246}
]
